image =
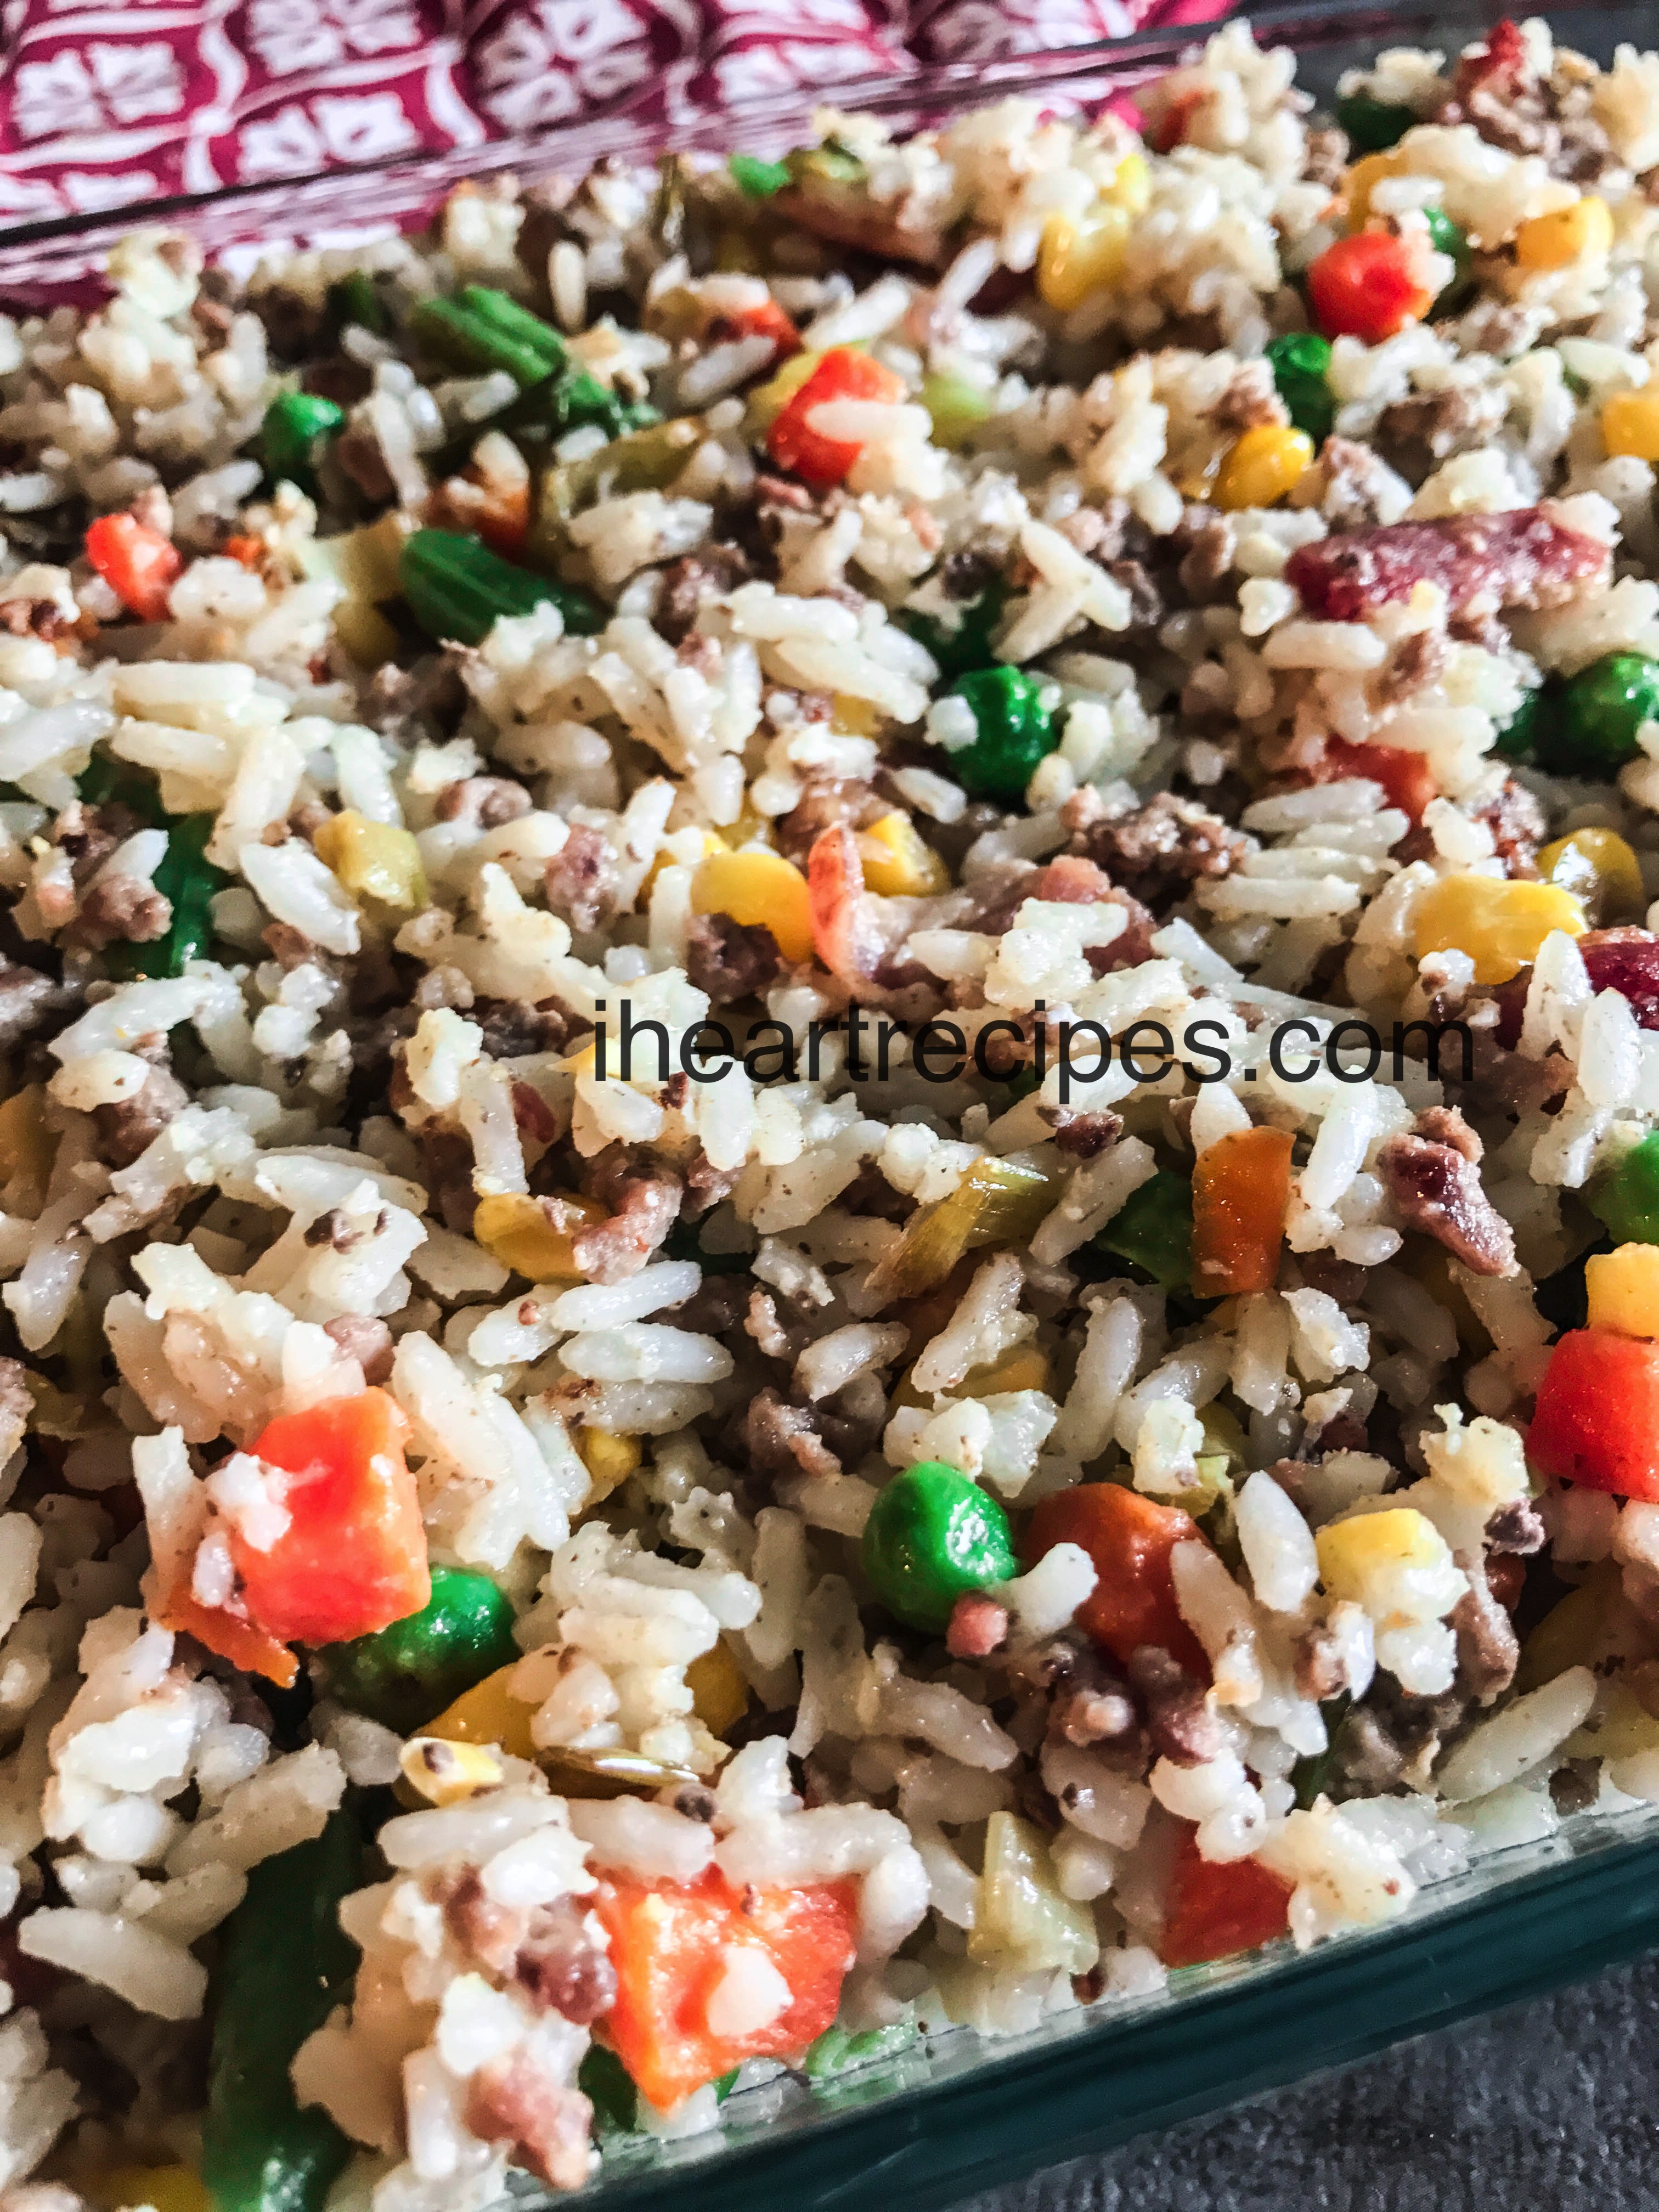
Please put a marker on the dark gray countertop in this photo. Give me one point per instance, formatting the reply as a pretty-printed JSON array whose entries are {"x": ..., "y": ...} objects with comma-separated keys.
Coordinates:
[{"x": 1551, "y": 2106}]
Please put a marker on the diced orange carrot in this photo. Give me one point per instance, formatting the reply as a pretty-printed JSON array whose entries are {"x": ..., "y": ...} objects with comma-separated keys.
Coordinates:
[
  {"x": 1241, "y": 1190},
  {"x": 250, "y": 551},
  {"x": 1211, "y": 1911},
  {"x": 138, "y": 564},
  {"x": 1406, "y": 779},
  {"x": 668, "y": 1942},
  {"x": 353, "y": 1556},
  {"x": 766, "y": 321},
  {"x": 1129, "y": 1538},
  {"x": 843, "y": 373},
  {"x": 223, "y": 1632}
]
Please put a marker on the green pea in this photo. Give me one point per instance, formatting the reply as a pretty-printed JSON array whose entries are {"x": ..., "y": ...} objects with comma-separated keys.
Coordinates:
[
  {"x": 1519, "y": 735},
  {"x": 967, "y": 647},
  {"x": 1602, "y": 709},
  {"x": 406, "y": 1674},
  {"x": 1153, "y": 1230},
  {"x": 297, "y": 425},
  {"x": 754, "y": 179},
  {"x": 1014, "y": 721},
  {"x": 1627, "y": 1198},
  {"x": 1374, "y": 125},
  {"x": 1301, "y": 359},
  {"x": 284, "y": 1965},
  {"x": 932, "y": 1536}
]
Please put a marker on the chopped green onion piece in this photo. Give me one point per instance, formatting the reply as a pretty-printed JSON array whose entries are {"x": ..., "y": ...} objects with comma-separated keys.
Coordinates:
[
  {"x": 1153, "y": 1230},
  {"x": 955, "y": 407},
  {"x": 297, "y": 425},
  {"x": 1300, "y": 361},
  {"x": 1374, "y": 125},
  {"x": 968, "y": 646},
  {"x": 609, "y": 2087},
  {"x": 284, "y": 1964},
  {"x": 758, "y": 179},
  {"x": 106, "y": 781},
  {"x": 1519, "y": 735},
  {"x": 354, "y": 299},
  {"x": 1311, "y": 1777},
  {"x": 838, "y": 2050},
  {"x": 189, "y": 882}
]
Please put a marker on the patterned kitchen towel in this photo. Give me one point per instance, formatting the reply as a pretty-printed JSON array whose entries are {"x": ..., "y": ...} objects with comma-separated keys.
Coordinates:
[{"x": 108, "y": 106}]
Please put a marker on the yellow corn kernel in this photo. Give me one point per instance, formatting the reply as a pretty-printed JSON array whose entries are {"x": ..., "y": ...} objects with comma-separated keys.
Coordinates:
[
  {"x": 608, "y": 1460},
  {"x": 444, "y": 1773},
  {"x": 859, "y": 718},
  {"x": 1130, "y": 189},
  {"x": 487, "y": 1713},
  {"x": 373, "y": 860},
  {"x": 1630, "y": 423},
  {"x": 1597, "y": 866},
  {"x": 1025, "y": 1369},
  {"x": 1363, "y": 179},
  {"x": 365, "y": 634},
  {"x": 712, "y": 842},
  {"x": 168, "y": 2188},
  {"x": 27, "y": 1146},
  {"x": 365, "y": 561},
  {"x": 898, "y": 864},
  {"x": 767, "y": 401},
  {"x": 1552, "y": 241},
  {"x": 1260, "y": 466},
  {"x": 1078, "y": 256},
  {"x": 720, "y": 1694},
  {"x": 534, "y": 1236},
  {"x": 757, "y": 887},
  {"x": 1397, "y": 1539},
  {"x": 1622, "y": 1288},
  {"x": 1500, "y": 925},
  {"x": 1587, "y": 1625}
]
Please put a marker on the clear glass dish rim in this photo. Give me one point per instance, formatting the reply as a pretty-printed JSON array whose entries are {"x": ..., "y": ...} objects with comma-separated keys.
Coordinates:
[
  {"x": 970, "y": 2112},
  {"x": 358, "y": 197}
]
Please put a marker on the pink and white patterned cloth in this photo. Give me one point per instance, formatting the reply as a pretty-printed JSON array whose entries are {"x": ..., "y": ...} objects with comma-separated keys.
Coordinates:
[{"x": 109, "y": 103}]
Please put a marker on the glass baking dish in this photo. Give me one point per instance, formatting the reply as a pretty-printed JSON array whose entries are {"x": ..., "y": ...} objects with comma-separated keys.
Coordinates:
[{"x": 959, "y": 2112}]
